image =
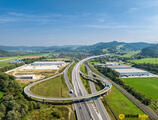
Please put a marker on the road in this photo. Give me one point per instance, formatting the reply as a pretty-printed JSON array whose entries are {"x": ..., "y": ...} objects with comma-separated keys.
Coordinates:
[
  {"x": 74, "y": 98},
  {"x": 144, "y": 108},
  {"x": 85, "y": 108},
  {"x": 99, "y": 105},
  {"x": 80, "y": 90}
]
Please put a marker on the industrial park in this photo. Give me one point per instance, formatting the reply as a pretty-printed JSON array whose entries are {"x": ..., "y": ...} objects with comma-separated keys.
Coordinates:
[{"x": 78, "y": 60}]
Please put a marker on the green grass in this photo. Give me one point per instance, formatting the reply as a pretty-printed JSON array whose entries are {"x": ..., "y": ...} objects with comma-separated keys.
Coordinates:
[
  {"x": 86, "y": 84},
  {"x": 147, "y": 86},
  {"x": 145, "y": 60},
  {"x": 83, "y": 69},
  {"x": 131, "y": 53},
  {"x": 3, "y": 58},
  {"x": 55, "y": 87},
  {"x": 120, "y": 104},
  {"x": 95, "y": 63},
  {"x": 46, "y": 112},
  {"x": 36, "y": 54},
  {"x": 84, "y": 80},
  {"x": 1, "y": 94},
  {"x": 69, "y": 73}
]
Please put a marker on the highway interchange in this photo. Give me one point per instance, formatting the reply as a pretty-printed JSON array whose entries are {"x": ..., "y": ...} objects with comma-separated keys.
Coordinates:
[{"x": 87, "y": 106}]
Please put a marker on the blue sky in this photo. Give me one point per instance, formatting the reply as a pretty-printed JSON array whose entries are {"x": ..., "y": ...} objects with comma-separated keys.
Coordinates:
[{"x": 81, "y": 22}]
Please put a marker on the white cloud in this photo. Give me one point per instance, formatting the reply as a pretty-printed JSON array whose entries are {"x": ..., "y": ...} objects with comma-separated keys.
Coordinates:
[
  {"x": 133, "y": 9},
  {"x": 112, "y": 27},
  {"x": 7, "y": 19}
]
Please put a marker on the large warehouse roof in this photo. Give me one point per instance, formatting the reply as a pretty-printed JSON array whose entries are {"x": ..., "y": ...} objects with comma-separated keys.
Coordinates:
[
  {"x": 132, "y": 70},
  {"x": 48, "y": 63}
]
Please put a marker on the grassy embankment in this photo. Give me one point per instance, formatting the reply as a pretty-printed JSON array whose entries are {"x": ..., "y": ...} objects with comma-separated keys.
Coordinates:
[
  {"x": 146, "y": 86},
  {"x": 84, "y": 80},
  {"x": 145, "y": 60},
  {"x": 69, "y": 73},
  {"x": 95, "y": 63},
  {"x": 55, "y": 87},
  {"x": 120, "y": 104},
  {"x": 1, "y": 94}
]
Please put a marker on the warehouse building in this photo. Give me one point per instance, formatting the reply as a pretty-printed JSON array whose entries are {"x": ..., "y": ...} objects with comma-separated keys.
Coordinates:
[
  {"x": 120, "y": 67},
  {"x": 42, "y": 63},
  {"x": 132, "y": 72},
  {"x": 45, "y": 65},
  {"x": 111, "y": 63},
  {"x": 25, "y": 77}
]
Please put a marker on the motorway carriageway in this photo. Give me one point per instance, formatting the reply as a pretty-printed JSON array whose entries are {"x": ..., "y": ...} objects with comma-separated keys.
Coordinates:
[{"x": 85, "y": 110}]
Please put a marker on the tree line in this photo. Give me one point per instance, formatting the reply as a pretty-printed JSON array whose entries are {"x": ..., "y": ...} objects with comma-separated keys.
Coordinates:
[
  {"x": 13, "y": 105},
  {"x": 114, "y": 76},
  {"x": 153, "y": 68}
]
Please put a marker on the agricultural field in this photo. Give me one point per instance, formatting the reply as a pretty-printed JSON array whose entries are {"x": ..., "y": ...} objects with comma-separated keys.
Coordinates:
[
  {"x": 5, "y": 58},
  {"x": 36, "y": 54},
  {"x": 55, "y": 87},
  {"x": 6, "y": 61},
  {"x": 130, "y": 54},
  {"x": 147, "y": 86},
  {"x": 120, "y": 104},
  {"x": 145, "y": 60}
]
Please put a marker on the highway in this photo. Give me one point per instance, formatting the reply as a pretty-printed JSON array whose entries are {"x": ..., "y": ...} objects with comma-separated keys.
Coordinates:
[
  {"x": 99, "y": 105},
  {"x": 95, "y": 110},
  {"x": 86, "y": 108}
]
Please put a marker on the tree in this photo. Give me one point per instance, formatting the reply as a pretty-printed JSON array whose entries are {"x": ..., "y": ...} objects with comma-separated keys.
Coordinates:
[{"x": 13, "y": 115}]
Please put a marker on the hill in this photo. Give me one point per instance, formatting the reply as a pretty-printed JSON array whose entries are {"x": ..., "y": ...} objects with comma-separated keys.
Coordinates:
[
  {"x": 113, "y": 47},
  {"x": 151, "y": 51},
  {"x": 98, "y": 48},
  {"x": 4, "y": 53}
]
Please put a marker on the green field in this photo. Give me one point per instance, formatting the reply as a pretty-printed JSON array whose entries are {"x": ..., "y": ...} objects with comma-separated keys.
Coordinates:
[
  {"x": 120, "y": 104},
  {"x": 55, "y": 87},
  {"x": 83, "y": 69},
  {"x": 10, "y": 59},
  {"x": 1, "y": 94},
  {"x": 95, "y": 63},
  {"x": 147, "y": 86},
  {"x": 69, "y": 73},
  {"x": 36, "y": 54},
  {"x": 145, "y": 60},
  {"x": 3, "y": 58},
  {"x": 130, "y": 54}
]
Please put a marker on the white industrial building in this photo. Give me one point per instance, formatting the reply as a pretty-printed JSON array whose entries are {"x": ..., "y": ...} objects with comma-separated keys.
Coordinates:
[
  {"x": 59, "y": 63},
  {"x": 127, "y": 71},
  {"x": 45, "y": 65},
  {"x": 25, "y": 77},
  {"x": 132, "y": 72},
  {"x": 120, "y": 67},
  {"x": 111, "y": 63}
]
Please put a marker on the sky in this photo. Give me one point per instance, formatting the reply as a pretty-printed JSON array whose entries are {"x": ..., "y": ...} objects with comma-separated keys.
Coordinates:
[{"x": 77, "y": 22}]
